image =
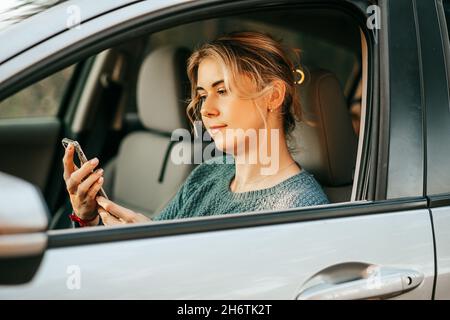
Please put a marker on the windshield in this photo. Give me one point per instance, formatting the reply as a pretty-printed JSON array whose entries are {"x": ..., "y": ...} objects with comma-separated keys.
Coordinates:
[{"x": 14, "y": 11}]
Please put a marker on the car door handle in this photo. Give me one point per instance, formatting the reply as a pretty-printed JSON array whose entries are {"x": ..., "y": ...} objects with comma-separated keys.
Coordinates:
[{"x": 384, "y": 283}]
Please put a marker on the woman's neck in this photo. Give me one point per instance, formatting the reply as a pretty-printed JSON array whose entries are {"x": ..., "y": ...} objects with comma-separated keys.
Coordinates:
[{"x": 269, "y": 167}]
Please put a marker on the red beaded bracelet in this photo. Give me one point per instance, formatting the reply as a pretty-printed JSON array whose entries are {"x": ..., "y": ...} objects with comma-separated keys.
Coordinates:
[{"x": 81, "y": 222}]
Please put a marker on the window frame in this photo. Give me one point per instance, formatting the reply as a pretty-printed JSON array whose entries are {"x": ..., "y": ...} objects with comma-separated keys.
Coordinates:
[
  {"x": 436, "y": 154},
  {"x": 96, "y": 235},
  {"x": 401, "y": 109}
]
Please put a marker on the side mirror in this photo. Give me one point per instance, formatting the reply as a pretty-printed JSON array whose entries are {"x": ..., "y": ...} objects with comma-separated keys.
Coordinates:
[{"x": 23, "y": 224}]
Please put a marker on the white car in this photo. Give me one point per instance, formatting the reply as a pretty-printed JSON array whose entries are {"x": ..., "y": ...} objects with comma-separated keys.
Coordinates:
[{"x": 110, "y": 74}]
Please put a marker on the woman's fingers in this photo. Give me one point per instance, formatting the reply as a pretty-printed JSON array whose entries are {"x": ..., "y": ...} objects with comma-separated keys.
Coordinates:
[
  {"x": 141, "y": 218},
  {"x": 108, "y": 219},
  {"x": 77, "y": 176},
  {"x": 95, "y": 188},
  {"x": 86, "y": 185},
  {"x": 69, "y": 166},
  {"x": 123, "y": 214},
  {"x": 120, "y": 212}
]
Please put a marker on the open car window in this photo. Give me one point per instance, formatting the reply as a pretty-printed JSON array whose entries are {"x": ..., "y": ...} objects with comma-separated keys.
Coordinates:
[{"x": 102, "y": 109}]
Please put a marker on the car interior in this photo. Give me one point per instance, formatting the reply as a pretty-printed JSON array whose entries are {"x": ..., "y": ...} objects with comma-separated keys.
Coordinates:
[{"x": 123, "y": 104}]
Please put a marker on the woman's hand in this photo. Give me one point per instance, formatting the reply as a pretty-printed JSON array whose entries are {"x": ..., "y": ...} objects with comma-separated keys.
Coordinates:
[
  {"x": 82, "y": 185},
  {"x": 112, "y": 214}
]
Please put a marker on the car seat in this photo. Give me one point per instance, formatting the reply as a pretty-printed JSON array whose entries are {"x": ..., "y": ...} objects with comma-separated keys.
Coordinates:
[
  {"x": 325, "y": 142},
  {"x": 142, "y": 177}
]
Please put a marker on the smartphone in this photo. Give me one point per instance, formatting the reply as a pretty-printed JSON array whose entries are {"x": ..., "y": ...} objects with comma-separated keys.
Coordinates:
[{"x": 81, "y": 157}]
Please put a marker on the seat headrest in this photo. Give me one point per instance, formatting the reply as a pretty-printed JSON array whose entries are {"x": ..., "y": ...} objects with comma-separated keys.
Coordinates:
[
  {"x": 162, "y": 89},
  {"x": 326, "y": 144}
]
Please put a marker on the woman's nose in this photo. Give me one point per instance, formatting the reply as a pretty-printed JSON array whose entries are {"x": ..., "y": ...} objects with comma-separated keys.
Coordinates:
[{"x": 208, "y": 110}]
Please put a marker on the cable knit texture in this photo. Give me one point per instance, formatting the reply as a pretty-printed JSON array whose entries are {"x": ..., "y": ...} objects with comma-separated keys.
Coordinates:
[{"x": 207, "y": 192}]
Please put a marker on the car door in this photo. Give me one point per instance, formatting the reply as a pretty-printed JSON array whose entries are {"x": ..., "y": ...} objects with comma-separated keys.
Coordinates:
[
  {"x": 378, "y": 247},
  {"x": 435, "y": 60}
]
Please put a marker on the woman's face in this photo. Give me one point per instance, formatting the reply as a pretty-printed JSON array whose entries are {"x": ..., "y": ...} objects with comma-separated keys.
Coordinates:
[{"x": 223, "y": 112}]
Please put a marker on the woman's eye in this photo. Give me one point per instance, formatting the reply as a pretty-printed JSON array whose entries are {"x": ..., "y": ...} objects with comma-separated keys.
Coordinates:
[
  {"x": 221, "y": 91},
  {"x": 202, "y": 99}
]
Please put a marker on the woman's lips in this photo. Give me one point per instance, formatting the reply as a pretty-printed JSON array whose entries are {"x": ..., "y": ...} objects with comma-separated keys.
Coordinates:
[{"x": 215, "y": 129}]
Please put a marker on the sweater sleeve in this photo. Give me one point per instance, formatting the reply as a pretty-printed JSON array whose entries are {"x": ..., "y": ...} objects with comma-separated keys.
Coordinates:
[
  {"x": 172, "y": 208},
  {"x": 175, "y": 207}
]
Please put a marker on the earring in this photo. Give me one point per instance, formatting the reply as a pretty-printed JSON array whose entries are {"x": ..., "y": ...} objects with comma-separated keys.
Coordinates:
[{"x": 302, "y": 76}]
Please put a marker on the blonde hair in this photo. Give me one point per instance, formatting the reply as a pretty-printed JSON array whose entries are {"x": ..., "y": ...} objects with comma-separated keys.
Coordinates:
[{"x": 256, "y": 55}]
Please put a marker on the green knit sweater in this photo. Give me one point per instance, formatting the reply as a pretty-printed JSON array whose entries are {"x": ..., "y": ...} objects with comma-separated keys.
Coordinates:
[{"x": 207, "y": 192}]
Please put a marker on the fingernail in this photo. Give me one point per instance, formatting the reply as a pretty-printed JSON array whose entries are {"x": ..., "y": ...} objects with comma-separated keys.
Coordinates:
[
  {"x": 94, "y": 161},
  {"x": 100, "y": 171}
]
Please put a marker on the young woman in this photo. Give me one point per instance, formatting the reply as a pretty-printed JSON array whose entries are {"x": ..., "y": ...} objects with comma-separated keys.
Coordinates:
[{"x": 241, "y": 82}]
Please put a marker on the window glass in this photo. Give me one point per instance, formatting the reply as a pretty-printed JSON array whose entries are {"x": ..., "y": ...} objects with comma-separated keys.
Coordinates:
[{"x": 41, "y": 99}]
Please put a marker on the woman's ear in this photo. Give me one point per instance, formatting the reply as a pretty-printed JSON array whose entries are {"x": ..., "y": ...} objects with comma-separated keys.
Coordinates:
[{"x": 276, "y": 97}]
